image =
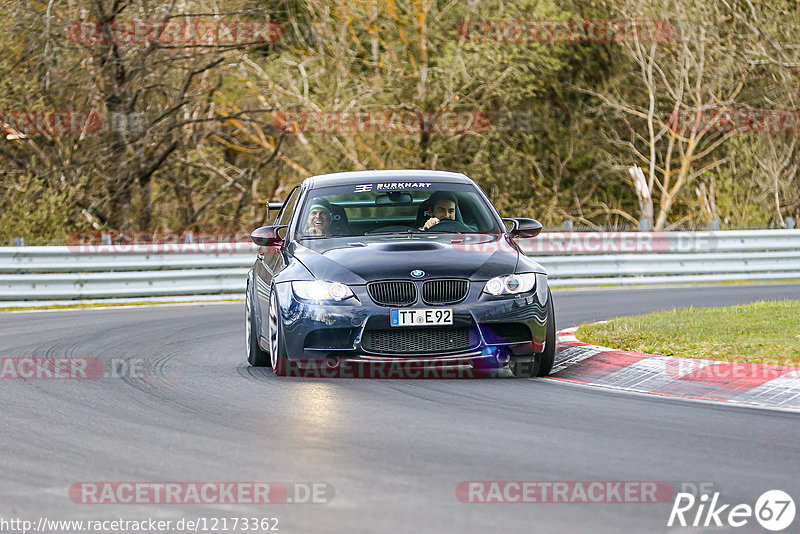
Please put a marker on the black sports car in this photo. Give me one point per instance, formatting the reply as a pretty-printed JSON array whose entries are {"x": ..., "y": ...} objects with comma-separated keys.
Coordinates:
[{"x": 414, "y": 270}]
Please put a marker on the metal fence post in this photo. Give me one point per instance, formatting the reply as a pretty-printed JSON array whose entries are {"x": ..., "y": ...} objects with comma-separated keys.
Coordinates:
[{"x": 19, "y": 241}]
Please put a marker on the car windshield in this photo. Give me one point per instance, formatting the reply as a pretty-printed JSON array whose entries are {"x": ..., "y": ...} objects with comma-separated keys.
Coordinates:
[{"x": 389, "y": 208}]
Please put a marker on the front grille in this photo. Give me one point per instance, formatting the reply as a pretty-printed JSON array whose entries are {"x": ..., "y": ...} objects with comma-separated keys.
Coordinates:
[
  {"x": 444, "y": 291},
  {"x": 393, "y": 293},
  {"x": 420, "y": 340}
]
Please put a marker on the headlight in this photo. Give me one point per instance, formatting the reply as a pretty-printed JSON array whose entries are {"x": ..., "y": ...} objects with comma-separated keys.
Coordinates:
[
  {"x": 511, "y": 284},
  {"x": 320, "y": 290},
  {"x": 541, "y": 288}
]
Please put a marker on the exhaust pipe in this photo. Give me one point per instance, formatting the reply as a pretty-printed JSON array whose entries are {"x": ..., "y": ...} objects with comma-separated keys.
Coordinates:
[
  {"x": 331, "y": 362},
  {"x": 503, "y": 357}
]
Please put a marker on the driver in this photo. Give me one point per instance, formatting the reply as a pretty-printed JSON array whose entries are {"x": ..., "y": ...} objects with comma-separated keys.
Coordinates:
[
  {"x": 444, "y": 209},
  {"x": 318, "y": 221}
]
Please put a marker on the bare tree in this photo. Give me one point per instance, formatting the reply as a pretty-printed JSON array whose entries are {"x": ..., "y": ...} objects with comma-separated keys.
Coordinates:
[
  {"x": 670, "y": 115},
  {"x": 150, "y": 71}
]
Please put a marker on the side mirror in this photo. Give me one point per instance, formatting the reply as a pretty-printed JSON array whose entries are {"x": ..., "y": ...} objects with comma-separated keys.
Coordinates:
[
  {"x": 524, "y": 227},
  {"x": 273, "y": 206},
  {"x": 267, "y": 236}
]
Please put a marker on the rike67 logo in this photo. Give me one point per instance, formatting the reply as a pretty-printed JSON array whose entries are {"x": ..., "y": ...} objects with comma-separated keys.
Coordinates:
[{"x": 774, "y": 510}]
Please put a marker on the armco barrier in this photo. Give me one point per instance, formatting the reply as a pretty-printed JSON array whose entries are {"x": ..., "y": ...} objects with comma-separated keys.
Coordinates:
[{"x": 68, "y": 273}]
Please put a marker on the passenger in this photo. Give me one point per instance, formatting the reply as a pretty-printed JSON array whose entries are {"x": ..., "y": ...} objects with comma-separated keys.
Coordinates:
[
  {"x": 318, "y": 222},
  {"x": 443, "y": 209}
]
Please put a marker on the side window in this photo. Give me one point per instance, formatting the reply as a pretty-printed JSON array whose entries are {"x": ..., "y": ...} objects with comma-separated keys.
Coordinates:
[{"x": 285, "y": 215}]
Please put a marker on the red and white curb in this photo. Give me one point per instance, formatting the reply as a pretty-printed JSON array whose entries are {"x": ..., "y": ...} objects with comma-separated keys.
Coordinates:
[{"x": 765, "y": 385}]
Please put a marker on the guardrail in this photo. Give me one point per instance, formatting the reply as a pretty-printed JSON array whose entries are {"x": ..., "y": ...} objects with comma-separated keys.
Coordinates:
[
  {"x": 626, "y": 258},
  {"x": 30, "y": 275}
]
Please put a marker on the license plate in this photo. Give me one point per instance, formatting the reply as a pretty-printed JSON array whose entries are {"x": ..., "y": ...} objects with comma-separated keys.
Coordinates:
[{"x": 421, "y": 317}]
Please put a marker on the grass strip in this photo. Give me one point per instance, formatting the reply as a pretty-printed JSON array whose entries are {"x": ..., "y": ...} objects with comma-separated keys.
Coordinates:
[{"x": 765, "y": 332}]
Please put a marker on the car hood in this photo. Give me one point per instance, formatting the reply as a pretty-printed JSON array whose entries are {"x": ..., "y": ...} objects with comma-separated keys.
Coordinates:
[{"x": 361, "y": 259}]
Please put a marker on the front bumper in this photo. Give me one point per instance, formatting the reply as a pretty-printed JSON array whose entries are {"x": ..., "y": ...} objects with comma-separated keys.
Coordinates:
[{"x": 340, "y": 333}]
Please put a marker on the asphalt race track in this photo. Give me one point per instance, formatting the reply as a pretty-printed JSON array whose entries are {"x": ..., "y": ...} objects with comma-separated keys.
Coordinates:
[{"x": 394, "y": 450}]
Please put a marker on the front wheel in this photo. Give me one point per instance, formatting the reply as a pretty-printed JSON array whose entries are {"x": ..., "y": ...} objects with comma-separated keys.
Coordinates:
[
  {"x": 542, "y": 363},
  {"x": 277, "y": 349},
  {"x": 256, "y": 356}
]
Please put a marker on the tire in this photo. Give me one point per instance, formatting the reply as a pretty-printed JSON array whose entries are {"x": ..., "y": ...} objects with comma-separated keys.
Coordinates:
[
  {"x": 542, "y": 363},
  {"x": 256, "y": 356},
  {"x": 277, "y": 348}
]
